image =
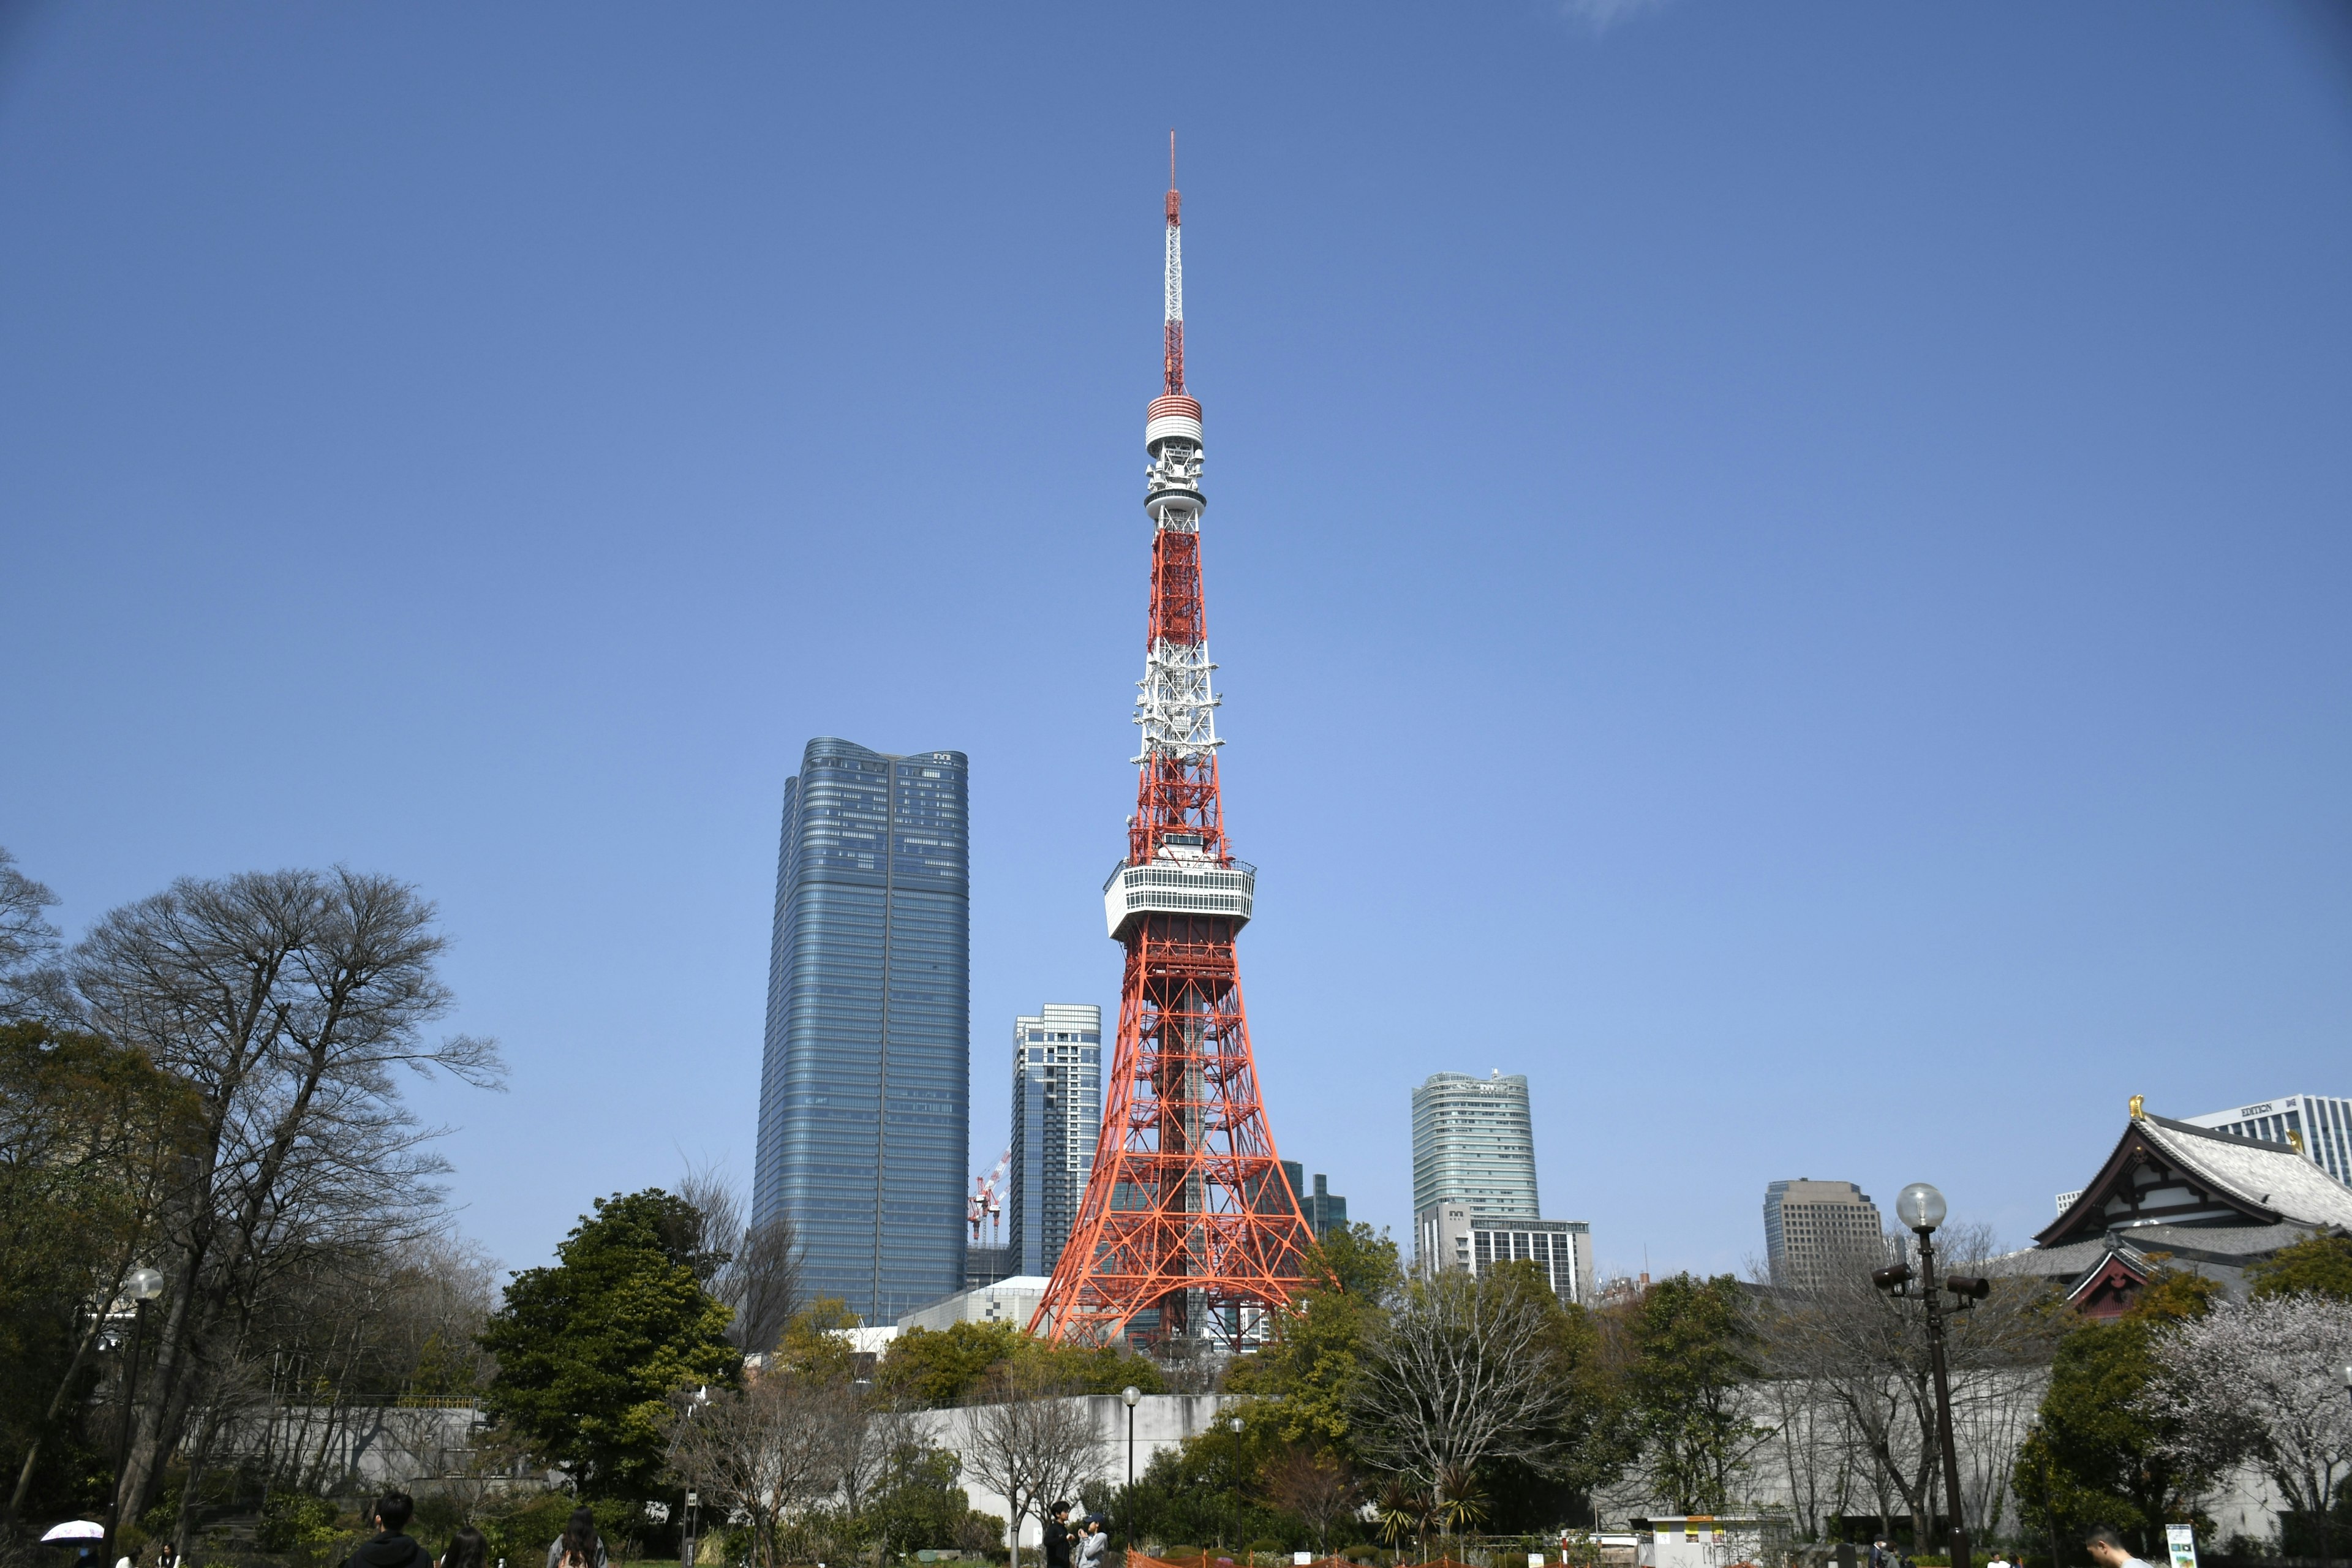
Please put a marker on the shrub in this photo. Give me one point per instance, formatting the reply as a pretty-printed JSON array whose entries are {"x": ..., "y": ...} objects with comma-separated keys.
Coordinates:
[{"x": 293, "y": 1522}]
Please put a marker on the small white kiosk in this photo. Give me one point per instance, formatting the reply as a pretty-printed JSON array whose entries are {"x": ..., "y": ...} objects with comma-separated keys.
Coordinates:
[{"x": 1709, "y": 1541}]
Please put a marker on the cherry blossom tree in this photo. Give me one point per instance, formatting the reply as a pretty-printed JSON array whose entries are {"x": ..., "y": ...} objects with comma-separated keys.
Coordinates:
[{"x": 2259, "y": 1383}]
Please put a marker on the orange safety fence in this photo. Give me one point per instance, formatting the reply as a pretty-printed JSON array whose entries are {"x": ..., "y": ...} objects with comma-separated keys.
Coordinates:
[{"x": 1230, "y": 1560}]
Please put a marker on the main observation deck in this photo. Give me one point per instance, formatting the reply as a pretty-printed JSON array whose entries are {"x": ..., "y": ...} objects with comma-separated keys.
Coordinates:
[{"x": 1181, "y": 880}]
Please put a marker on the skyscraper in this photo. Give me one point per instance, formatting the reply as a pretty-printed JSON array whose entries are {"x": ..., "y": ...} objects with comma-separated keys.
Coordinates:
[
  {"x": 1056, "y": 1116},
  {"x": 1474, "y": 1142},
  {"x": 865, "y": 1088},
  {"x": 1813, "y": 1228},
  {"x": 1324, "y": 1210},
  {"x": 2318, "y": 1124}
]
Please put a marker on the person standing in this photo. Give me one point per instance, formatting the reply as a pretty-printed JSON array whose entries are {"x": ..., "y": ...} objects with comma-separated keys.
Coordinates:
[
  {"x": 1057, "y": 1536},
  {"x": 1093, "y": 1540},
  {"x": 2106, "y": 1550},
  {"x": 579, "y": 1546},
  {"x": 392, "y": 1547},
  {"x": 466, "y": 1549}
]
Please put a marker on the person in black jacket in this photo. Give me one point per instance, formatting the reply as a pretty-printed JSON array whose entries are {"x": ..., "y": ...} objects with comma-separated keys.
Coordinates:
[
  {"x": 1057, "y": 1536},
  {"x": 392, "y": 1548}
]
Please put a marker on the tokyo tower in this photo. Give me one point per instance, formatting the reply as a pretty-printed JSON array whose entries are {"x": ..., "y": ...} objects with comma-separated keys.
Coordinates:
[{"x": 1187, "y": 1231}]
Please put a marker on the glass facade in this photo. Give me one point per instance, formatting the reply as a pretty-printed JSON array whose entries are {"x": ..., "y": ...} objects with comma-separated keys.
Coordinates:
[
  {"x": 1056, "y": 1117},
  {"x": 1474, "y": 1142},
  {"x": 1324, "y": 1210},
  {"x": 865, "y": 1088}
]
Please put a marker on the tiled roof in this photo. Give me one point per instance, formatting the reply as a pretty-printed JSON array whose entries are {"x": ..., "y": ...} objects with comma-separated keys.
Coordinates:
[{"x": 2269, "y": 1174}]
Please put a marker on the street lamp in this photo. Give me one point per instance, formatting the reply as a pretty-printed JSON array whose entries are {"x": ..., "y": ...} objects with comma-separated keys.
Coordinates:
[
  {"x": 1129, "y": 1396},
  {"x": 688, "y": 1545},
  {"x": 140, "y": 1287},
  {"x": 1920, "y": 1207}
]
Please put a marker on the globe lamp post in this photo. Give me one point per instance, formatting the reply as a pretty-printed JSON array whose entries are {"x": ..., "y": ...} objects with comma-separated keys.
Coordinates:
[
  {"x": 1920, "y": 1208},
  {"x": 1129, "y": 1396},
  {"x": 140, "y": 1287}
]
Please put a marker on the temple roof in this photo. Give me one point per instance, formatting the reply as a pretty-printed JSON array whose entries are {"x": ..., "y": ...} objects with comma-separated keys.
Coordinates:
[{"x": 2170, "y": 1175}]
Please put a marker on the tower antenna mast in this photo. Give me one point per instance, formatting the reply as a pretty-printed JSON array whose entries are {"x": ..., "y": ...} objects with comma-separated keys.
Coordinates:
[{"x": 1188, "y": 1231}]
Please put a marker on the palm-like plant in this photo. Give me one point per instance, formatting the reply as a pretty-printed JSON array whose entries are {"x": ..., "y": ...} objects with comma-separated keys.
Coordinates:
[
  {"x": 1402, "y": 1512},
  {"x": 1459, "y": 1504}
]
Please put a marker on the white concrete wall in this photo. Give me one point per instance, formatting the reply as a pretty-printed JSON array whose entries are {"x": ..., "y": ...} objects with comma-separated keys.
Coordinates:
[
  {"x": 1161, "y": 1422},
  {"x": 376, "y": 1447}
]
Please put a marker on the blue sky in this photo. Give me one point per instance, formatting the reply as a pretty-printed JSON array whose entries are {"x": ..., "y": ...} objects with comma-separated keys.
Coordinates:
[{"x": 1782, "y": 570}]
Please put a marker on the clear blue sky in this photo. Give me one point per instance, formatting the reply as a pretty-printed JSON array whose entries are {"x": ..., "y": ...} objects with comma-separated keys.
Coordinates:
[{"x": 1779, "y": 569}]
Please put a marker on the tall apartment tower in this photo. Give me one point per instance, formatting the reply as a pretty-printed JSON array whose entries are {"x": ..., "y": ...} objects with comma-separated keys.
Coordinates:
[
  {"x": 865, "y": 1087},
  {"x": 1056, "y": 1117},
  {"x": 1812, "y": 1228},
  {"x": 1474, "y": 1142},
  {"x": 2318, "y": 1124}
]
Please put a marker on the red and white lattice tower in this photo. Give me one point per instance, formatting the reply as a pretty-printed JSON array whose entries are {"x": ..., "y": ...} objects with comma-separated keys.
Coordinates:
[{"x": 1187, "y": 1230}]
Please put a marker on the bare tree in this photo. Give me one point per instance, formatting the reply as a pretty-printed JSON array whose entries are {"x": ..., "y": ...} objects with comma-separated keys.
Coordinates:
[
  {"x": 771, "y": 1450},
  {"x": 286, "y": 999},
  {"x": 759, "y": 1273},
  {"x": 1865, "y": 1351},
  {"x": 1813, "y": 1437},
  {"x": 2261, "y": 1383},
  {"x": 28, "y": 943},
  {"x": 1317, "y": 1488},
  {"x": 1461, "y": 1371},
  {"x": 1030, "y": 1442}
]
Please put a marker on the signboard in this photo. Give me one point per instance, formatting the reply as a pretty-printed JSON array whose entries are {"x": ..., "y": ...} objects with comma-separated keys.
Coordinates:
[{"x": 2182, "y": 1540}]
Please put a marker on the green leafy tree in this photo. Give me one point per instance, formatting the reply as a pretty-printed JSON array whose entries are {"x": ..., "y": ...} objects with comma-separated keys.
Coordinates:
[
  {"x": 2317, "y": 1265},
  {"x": 1693, "y": 1348},
  {"x": 1590, "y": 1439},
  {"x": 920, "y": 1502},
  {"x": 1209, "y": 1488},
  {"x": 91, "y": 1134},
  {"x": 814, "y": 1345},
  {"x": 943, "y": 1366},
  {"x": 1302, "y": 1383},
  {"x": 952, "y": 1365},
  {"x": 590, "y": 1350},
  {"x": 2097, "y": 1454}
]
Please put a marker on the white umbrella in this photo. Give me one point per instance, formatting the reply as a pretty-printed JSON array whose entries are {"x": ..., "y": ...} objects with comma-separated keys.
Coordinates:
[{"x": 76, "y": 1529}]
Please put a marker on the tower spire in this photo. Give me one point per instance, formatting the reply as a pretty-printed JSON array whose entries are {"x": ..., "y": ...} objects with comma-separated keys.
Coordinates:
[
  {"x": 1173, "y": 371},
  {"x": 1187, "y": 1229}
]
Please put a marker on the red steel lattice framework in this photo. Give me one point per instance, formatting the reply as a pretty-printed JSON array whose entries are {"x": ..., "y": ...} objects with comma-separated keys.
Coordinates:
[{"x": 1188, "y": 1230}]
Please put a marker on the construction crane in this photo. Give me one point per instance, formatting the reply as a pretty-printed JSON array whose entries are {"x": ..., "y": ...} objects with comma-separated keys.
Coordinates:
[{"x": 985, "y": 1200}]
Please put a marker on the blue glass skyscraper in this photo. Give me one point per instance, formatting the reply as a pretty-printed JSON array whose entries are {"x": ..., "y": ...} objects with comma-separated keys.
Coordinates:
[{"x": 865, "y": 1090}]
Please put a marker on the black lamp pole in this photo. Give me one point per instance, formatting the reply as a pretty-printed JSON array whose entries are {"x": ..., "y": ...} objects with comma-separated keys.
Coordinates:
[
  {"x": 1920, "y": 1207},
  {"x": 1132, "y": 1396},
  {"x": 130, "y": 1403},
  {"x": 1943, "y": 1396}
]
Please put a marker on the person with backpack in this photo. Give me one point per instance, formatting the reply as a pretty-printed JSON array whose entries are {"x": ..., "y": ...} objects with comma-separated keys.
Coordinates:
[
  {"x": 579, "y": 1546},
  {"x": 392, "y": 1547}
]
